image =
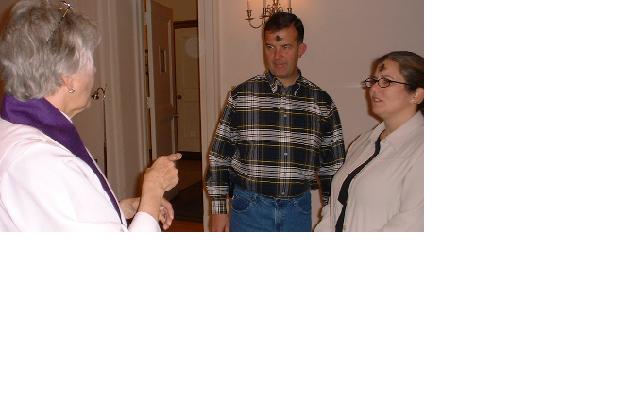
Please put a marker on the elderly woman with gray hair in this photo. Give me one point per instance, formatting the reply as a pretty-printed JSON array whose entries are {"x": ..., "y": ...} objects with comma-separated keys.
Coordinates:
[{"x": 48, "y": 179}]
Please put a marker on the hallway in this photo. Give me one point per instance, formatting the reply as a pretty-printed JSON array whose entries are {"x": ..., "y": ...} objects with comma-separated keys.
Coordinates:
[{"x": 190, "y": 174}]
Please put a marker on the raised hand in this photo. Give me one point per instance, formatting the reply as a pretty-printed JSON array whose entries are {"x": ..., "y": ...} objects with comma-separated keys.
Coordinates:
[{"x": 163, "y": 174}]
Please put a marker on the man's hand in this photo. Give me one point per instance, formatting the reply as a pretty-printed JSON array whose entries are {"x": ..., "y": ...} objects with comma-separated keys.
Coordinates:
[{"x": 220, "y": 223}]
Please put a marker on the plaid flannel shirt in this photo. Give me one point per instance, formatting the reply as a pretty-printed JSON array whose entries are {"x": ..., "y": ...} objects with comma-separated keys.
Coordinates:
[{"x": 275, "y": 141}]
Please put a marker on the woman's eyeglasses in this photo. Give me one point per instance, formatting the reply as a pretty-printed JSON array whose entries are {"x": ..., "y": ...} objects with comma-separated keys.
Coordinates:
[
  {"x": 65, "y": 8},
  {"x": 382, "y": 82}
]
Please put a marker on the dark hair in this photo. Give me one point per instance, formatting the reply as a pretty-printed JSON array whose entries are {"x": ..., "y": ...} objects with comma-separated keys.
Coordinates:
[
  {"x": 282, "y": 20},
  {"x": 411, "y": 69}
]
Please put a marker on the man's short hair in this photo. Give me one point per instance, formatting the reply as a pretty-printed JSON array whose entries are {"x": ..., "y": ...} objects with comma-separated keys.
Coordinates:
[{"x": 282, "y": 20}]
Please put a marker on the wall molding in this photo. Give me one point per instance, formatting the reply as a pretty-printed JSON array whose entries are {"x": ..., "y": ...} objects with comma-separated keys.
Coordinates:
[
  {"x": 115, "y": 63},
  {"x": 210, "y": 104},
  {"x": 138, "y": 61}
]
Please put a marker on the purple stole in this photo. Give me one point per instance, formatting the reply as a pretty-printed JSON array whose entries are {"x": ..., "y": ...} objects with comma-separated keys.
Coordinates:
[{"x": 42, "y": 115}]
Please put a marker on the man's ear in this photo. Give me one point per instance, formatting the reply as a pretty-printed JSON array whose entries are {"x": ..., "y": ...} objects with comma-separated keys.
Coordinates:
[{"x": 302, "y": 48}]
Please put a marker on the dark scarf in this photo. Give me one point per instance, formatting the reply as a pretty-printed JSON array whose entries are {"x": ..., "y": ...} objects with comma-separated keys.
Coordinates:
[
  {"x": 42, "y": 115},
  {"x": 343, "y": 195}
]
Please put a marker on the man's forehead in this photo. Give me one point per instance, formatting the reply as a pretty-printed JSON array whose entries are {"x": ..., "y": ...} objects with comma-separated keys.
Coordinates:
[{"x": 283, "y": 35}]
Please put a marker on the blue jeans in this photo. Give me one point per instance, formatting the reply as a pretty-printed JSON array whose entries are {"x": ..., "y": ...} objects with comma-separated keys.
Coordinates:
[{"x": 252, "y": 212}]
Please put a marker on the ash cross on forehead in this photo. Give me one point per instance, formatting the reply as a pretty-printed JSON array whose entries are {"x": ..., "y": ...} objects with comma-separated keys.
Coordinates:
[{"x": 279, "y": 38}]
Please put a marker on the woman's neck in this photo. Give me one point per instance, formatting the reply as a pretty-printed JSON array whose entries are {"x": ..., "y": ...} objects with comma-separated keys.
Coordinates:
[
  {"x": 58, "y": 101},
  {"x": 395, "y": 121}
]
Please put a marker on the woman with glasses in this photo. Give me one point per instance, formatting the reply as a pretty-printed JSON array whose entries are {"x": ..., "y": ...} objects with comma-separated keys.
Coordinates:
[
  {"x": 48, "y": 179},
  {"x": 380, "y": 187}
]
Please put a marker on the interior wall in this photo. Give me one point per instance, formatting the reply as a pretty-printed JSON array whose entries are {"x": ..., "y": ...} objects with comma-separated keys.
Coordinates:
[
  {"x": 123, "y": 65},
  {"x": 343, "y": 39},
  {"x": 183, "y": 10},
  {"x": 5, "y": 5},
  {"x": 117, "y": 61}
]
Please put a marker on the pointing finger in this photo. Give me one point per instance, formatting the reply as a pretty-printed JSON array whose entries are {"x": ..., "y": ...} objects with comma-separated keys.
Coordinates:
[{"x": 174, "y": 157}]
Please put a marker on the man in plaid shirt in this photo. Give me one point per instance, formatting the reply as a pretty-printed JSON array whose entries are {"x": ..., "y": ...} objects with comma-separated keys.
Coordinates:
[{"x": 279, "y": 137}]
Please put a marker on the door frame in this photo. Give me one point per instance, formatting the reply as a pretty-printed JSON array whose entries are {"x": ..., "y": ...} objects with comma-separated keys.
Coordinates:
[
  {"x": 211, "y": 100},
  {"x": 152, "y": 100},
  {"x": 143, "y": 67}
]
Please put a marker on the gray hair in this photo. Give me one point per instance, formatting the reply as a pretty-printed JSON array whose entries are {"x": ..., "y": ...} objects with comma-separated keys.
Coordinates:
[{"x": 38, "y": 47}]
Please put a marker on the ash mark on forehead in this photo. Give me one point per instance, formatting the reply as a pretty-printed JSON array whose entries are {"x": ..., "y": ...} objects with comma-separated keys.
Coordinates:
[{"x": 279, "y": 38}]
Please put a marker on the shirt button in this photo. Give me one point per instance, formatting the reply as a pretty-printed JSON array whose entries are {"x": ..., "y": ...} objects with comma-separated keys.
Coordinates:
[{"x": 286, "y": 154}]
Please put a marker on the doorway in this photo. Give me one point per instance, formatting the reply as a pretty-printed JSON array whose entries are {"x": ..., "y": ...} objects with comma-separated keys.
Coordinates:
[
  {"x": 187, "y": 81},
  {"x": 176, "y": 68}
]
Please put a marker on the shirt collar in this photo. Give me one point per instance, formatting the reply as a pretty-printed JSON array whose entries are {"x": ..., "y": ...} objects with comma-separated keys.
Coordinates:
[
  {"x": 404, "y": 131},
  {"x": 65, "y": 115},
  {"x": 276, "y": 85}
]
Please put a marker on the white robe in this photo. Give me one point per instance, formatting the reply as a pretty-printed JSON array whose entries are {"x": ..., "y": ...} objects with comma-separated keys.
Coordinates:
[
  {"x": 44, "y": 187},
  {"x": 388, "y": 194}
]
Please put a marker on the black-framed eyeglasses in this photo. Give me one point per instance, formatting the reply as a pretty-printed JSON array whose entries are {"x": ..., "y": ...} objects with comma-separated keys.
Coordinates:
[
  {"x": 65, "y": 8},
  {"x": 382, "y": 82}
]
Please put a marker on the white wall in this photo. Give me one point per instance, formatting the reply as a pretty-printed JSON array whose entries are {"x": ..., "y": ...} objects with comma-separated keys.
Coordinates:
[
  {"x": 344, "y": 37},
  {"x": 117, "y": 60},
  {"x": 183, "y": 10},
  {"x": 122, "y": 64},
  {"x": 5, "y": 5}
]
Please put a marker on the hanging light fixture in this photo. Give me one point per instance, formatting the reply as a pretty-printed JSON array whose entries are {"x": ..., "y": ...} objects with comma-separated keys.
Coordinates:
[{"x": 267, "y": 11}]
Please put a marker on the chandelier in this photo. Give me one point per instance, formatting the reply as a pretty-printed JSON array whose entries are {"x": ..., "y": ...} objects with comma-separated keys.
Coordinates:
[{"x": 267, "y": 11}]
